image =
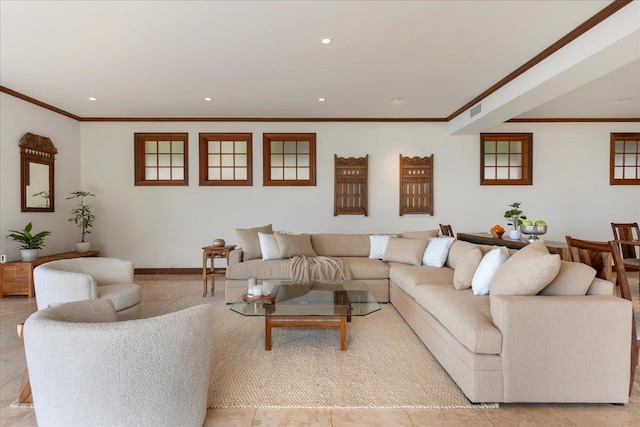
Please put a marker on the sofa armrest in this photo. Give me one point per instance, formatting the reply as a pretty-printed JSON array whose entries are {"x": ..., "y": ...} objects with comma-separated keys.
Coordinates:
[
  {"x": 564, "y": 348},
  {"x": 235, "y": 256}
]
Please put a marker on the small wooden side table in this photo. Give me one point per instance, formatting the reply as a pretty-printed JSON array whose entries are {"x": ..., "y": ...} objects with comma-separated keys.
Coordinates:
[{"x": 211, "y": 253}]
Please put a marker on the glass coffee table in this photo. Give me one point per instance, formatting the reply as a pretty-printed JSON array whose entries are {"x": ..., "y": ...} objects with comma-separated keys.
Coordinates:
[{"x": 308, "y": 305}]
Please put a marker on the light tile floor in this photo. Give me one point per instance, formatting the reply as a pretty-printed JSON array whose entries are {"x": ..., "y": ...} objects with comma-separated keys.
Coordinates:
[{"x": 158, "y": 290}]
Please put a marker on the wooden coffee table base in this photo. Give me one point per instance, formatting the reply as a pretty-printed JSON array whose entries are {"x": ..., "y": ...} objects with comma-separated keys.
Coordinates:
[{"x": 331, "y": 322}]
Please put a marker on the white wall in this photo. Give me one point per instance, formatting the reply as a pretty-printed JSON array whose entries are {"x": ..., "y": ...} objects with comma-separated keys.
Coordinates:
[
  {"x": 18, "y": 117},
  {"x": 159, "y": 227}
]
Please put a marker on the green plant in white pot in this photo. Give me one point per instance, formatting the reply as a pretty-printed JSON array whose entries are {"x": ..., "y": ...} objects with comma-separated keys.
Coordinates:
[
  {"x": 515, "y": 217},
  {"x": 29, "y": 242},
  {"x": 83, "y": 217}
]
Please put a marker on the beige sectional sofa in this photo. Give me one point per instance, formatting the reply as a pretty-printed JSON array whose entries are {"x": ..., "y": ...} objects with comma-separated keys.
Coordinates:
[{"x": 567, "y": 341}]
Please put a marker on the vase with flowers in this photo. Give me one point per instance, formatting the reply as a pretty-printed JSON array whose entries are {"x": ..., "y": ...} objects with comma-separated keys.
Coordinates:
[{"x": 515, "y": 217}]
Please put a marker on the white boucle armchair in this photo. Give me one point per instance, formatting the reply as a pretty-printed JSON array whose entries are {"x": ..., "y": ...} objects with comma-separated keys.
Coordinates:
[
  {"x": 88, "y": 369},
  {"x": 79, "y": 279}
]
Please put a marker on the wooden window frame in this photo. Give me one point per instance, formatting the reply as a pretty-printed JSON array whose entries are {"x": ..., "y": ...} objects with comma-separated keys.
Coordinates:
[
  {"x": 268, "y": 138},
  {"x": 526, "y": 140},
  {"x": 204, "y": 158},
  {"x": 139, "y": 158},
  {"x": 612, "y": 153}
]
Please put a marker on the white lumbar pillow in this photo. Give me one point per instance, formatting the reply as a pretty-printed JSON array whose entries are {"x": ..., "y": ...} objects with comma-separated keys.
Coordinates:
[
  {"x": 437, "y": 250},
  {"x": 269, "y": 246},
  {"x": 490, "y": 263}
]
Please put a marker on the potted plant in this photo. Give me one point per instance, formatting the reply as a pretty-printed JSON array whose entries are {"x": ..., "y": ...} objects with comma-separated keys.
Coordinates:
[
  {"x": 515, "y": 217},
  {"x": 29, "y": 243},
  {"x": 83, "y": 218}
]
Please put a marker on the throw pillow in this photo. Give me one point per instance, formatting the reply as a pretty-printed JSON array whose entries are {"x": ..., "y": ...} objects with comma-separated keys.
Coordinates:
[
  {"x": 268, "y": 246},
  {"x": 378, "y": 244},
  {"x": 458, "y": 251},
  {"x": 407, "y": 251},
  {"x": 291, "y": 245},
  {"x": 467, "y": 266},
  {"x": 487, "y": 268},
  {"x": 527, "y": 271},
  {"x": 574, "y": 278},
  {"x": 420, "y": 234},
  {"x": 249, "y": 241},
  {"x": 437, "y": 250}
]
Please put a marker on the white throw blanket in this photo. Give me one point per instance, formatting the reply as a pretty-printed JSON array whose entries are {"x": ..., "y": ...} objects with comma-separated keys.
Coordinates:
[{"x": 320, "y": 268}]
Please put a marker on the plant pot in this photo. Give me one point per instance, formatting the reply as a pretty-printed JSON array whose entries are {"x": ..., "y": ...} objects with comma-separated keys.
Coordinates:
[
  {"x": 515, "y": 234},
  {"x": 82, "y": 247},
  {"x": 29, "y": 254}
]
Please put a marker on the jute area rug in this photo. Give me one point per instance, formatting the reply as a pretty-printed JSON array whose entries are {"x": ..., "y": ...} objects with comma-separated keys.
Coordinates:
[{"x": 385, "y": 366}]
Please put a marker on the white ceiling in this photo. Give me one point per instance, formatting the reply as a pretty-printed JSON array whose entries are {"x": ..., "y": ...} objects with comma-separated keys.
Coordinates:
[{"x": 264, "y": 59}]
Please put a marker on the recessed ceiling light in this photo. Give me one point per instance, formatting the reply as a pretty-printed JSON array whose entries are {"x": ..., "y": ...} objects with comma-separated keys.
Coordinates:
[
  {"x": 623, "y": 100},
  {"x": 326, "y": 40},
  {"x": 207, "y": 99},
  {"x": 321, "y": 99},
  {"x": 91, "y": 98}
]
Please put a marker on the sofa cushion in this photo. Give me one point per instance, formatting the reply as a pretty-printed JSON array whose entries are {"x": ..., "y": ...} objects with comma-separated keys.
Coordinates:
[
  {"x": 466, "y": 268},
  {"x": 408, "y": 251},
  {"x": 526, "y": 272},
  {"x": 366, "y": 268},
  {"x": 436, "y": 252},
  {"x": 268, "y": 246},
  {"x": 487, "y": 268},
  {"x": 378, "y": 245},
  {"x": 273, "y": 269},
  {"x": 466, "y": 316},
  {"x": 574, "y": 278},
  {"x": 336, "y": 245},
  {"x": 124, "y": 295},
  {"x": 458, "y": 251},
  {"x": 428, "y": 234},
  {"x": 291, "y": 245},
  {"x": 407, "y": 277},
  {"x": 249, "y": 241}
]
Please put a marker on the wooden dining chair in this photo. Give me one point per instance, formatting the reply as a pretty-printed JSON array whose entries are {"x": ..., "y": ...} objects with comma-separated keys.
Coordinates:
[
  {"x": 446, "y": 230},
  {"x": 602, "y": 256},
  {"x": 595, "y": 254},
  {"x": 628, "y": 232}
]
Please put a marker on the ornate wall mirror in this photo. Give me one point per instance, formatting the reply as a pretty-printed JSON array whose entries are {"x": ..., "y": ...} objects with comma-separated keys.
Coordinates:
[{"x": 37, "y": 158}]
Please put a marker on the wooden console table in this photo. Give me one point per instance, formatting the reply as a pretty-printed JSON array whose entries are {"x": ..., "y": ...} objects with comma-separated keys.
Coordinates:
[
  {"x": 16, "y": 277},
  {"x": 559, "y": 248},
  {"x": 211, "y": 253}
]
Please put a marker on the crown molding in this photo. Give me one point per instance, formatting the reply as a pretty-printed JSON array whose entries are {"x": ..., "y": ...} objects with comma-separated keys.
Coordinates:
[
  {"x": 261, "y": 119},
  {"x": 292, "y": 119},
  {"x": 37, "y": 102}
]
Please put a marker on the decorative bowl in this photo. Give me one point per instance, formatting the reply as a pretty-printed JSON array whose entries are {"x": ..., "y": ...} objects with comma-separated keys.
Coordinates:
[
  {"x": 533, "y": 231},
  {"x": 218, "y": 243},
  {"x": 497, "y": 234}
]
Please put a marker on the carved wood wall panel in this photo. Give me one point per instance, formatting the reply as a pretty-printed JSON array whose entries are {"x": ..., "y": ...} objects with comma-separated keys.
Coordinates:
[
  {"x": 416, "y": 185},
  {"x": 351, "y": 184}
]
